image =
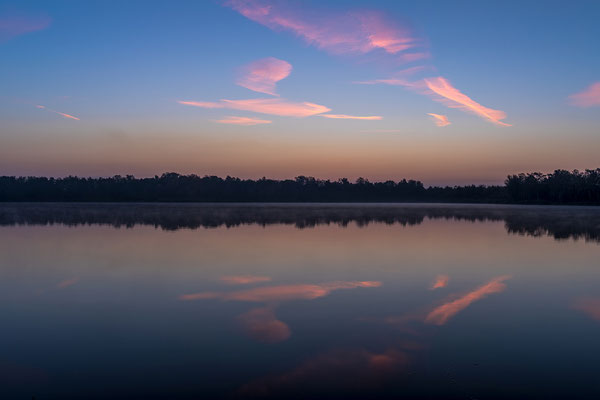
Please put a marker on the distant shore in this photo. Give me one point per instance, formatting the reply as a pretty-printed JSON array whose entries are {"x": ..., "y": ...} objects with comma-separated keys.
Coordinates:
[{"x": 558, "y": 188}]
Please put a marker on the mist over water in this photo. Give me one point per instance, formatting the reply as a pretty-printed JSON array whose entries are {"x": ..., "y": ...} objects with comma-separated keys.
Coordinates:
[{"x": 188, "y": 301}]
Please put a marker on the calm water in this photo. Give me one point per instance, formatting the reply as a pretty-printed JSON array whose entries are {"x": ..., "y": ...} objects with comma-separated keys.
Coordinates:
[{"x": 308, "y": 302}]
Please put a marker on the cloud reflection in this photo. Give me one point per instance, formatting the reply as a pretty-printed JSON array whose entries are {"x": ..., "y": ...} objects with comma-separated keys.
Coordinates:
[
  {"x": 590, "y": 306},
  {"x": 440, "y": 282},
  {"x": 267, "y": 294},
  {"x": 244, "y": 279},
  {"x": 442, "y": 314},
  {"x": 67, "y": 283},
  {"x": 338, "y": 370},
  {"x": 261, "y": 323}
]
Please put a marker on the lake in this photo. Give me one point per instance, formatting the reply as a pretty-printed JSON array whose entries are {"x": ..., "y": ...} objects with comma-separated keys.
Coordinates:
[{"x": 288, "y": 301}]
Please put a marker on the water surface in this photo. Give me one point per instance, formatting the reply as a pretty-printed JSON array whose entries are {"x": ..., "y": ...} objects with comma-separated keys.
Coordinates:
[{"x": 191, "y": 301}]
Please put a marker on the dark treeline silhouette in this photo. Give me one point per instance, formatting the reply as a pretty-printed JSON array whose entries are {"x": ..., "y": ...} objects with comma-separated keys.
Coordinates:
[
  {"x": 557, "y": 222},
  {"x": 560, "y": 187}
]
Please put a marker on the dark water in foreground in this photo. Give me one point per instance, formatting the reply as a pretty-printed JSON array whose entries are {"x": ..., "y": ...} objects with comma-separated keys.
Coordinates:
[{"x": 299, "y": 302}]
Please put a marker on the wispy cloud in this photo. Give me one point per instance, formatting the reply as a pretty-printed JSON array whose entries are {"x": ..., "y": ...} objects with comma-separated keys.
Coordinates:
[
  {"x": 440, "y": 282},
  {"x": 244, "y": 121},
  {"x": 389, "y": 81},
  {"x": 15, "y": 25},
  {"x": 399, "y": 78},
  {"x": 58, "y": 112},
  {"x": 440, "y": 315},
  {"x": 444, "y": 92},
  {"x": 357, "y": 32},
  {"x": 244, "y": 279},
  {"x": 440, "y": 120},
  {"x": 587, "y": 98},
  {"x": 441, "y": 90},
  {"x": 262, "y": 75},
  {"x": 203, "y": 104},
  {"x": 343, "y": 116},
  {"x": 277, "y": 106}
]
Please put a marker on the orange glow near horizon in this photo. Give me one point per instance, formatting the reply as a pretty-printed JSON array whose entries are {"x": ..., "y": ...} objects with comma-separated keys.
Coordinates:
[{"x": 442, "y": 314}]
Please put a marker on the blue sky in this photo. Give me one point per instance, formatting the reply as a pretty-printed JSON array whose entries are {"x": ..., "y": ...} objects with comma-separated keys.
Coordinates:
[{"x": 122, "y": 67}]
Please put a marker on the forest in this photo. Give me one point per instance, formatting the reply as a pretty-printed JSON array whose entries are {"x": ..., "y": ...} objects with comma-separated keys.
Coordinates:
[{"x": 559, "y": 187}]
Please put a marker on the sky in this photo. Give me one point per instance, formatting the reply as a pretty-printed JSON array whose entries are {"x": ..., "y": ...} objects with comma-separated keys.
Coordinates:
[{"x": 447, "y": 93}]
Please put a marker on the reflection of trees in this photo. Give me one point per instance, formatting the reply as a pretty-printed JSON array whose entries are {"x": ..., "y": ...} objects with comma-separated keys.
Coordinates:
[{"x": 558, "y": 222}]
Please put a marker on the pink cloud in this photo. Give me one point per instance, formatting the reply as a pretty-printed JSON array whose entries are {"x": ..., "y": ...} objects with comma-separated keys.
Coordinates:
[
  {"x": 441, "y": 90},
  {"x": 262, "y": 75},
  {"x": 587, "y": 98},
  {"x": 58, "y": 112},
  {"x": 590, "y": 306},
  {"x": 398, "y": 78},
  {"x": 440, "y": 120},
  {"x": 244, "y": 279},
  {"x": 347, "y": 33},
  {"x": 244, "y": 121},
  {"x": 360, "y": 33},
  {"x": 389, "y": 81},
  {"x": 440, "y": 282},
  {"x": 440, "y": 315},
  {"x": 202, "y": 104},
  {"x": 343, "y": 116},
  {"x": 277, "y": 106},
  {"x": 14, "y": 25},
  {"x": 444, "y": 92},
  {"x": 278, "y": 293}
]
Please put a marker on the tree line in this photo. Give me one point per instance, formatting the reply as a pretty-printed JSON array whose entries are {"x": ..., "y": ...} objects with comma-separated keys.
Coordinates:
[{"x": 559, "y": 187}]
